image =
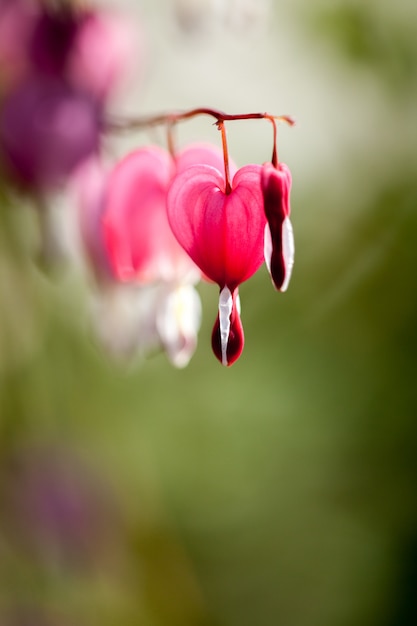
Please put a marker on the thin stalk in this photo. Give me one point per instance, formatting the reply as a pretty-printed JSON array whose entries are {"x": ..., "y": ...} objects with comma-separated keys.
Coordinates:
[
  {"x": 222, "y": 128},
  {"x": 170, "y": 139},
  {"x": 274, "y": 159}
]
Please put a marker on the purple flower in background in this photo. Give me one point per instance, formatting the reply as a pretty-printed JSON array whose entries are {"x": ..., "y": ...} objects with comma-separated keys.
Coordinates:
[
  {"x": 60, "y": 65},
  {"x": 47, "y": 128}
]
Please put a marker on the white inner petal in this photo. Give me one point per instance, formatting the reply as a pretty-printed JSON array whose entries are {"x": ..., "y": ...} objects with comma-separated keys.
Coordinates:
[
  {"x": 225, "y": 311},
  {"x": 287, "y": 251},
  {"x": 268, "y": 247}
]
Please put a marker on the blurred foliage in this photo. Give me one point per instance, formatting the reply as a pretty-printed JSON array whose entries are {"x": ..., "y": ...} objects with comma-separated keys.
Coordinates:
[
  {"x": 280, "y": 491},
  {"x": 368, "y": 35}
]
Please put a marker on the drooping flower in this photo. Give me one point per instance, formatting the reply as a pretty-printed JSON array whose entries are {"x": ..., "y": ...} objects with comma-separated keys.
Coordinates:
[
  {"x": 279, "y": 238},
  {"x": 223, "y": 233}
]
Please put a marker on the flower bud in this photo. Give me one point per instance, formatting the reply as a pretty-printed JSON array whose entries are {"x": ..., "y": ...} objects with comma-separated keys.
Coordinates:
[{"x": 279, "y": 239}]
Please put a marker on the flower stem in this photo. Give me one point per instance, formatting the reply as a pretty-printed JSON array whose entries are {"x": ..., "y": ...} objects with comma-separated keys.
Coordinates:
[
  {"x": 274, "y": 159},
  {"x": 170, "y": 139},
  {"x": 222, "y": 128},
  {"x": 115, "y": 125}
]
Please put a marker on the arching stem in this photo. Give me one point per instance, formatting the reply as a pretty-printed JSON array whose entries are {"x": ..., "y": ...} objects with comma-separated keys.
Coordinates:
[{"x": 117, "y": 125}]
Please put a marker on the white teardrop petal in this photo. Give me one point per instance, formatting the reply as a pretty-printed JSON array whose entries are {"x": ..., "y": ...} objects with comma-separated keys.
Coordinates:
[
  {"x": 287, "y": 251},
  {"x": 268, "y": 247},
  {"x": 225, "y": 311}
]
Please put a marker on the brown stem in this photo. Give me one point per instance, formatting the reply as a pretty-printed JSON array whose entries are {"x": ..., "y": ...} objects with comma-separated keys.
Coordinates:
[
  {"x": 222, "y": 128},
  {"x": 170, "y": 139},
  {"x": 274, "y": 159},
  {"x": 114, "y": 124}
]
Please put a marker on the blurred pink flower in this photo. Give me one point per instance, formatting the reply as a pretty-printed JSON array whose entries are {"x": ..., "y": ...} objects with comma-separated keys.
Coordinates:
[
  {"x": 146, "y": 297},
  {"x": 107, "y": 50}
]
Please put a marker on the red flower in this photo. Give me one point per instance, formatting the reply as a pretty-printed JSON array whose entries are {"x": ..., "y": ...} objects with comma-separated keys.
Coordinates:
[{"x": 279, "y": 239}]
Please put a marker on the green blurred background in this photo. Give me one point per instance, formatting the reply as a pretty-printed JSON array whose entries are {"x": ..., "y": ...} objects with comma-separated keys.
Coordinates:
[{"x": 281, "y": 491}]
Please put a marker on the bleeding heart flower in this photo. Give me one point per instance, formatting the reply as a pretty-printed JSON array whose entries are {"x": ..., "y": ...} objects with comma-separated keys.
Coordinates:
[
  {"x": 138, "y": 237},
  {"x": 224, "y": 235},
  {"x": 279, "y": 238}
]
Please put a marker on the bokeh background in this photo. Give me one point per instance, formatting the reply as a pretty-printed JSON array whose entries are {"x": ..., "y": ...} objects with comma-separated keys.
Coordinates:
[{"x": 281, "y": 491}]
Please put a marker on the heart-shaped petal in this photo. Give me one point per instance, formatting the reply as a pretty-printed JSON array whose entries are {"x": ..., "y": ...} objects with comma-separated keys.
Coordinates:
[
  {"x": 223, "y": 233},
  {"x": 138, "y": 240}
]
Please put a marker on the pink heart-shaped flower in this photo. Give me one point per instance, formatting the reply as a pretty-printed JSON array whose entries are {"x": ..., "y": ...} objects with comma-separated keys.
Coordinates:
[{"x": 222, "y": 232}]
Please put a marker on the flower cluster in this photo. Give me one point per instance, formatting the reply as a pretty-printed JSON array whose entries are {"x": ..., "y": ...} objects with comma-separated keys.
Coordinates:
[
  {"x": 159, "y": 220},
  {"x": 168, "y": 219}
]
